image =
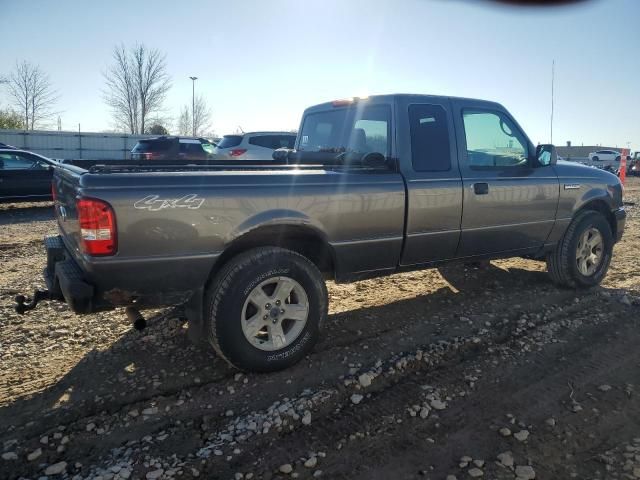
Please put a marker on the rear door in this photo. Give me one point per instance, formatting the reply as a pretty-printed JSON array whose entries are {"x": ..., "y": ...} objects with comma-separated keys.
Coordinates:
[
  {"x": 428, "y": 158},
  {"x": 509, "y": 204},
  {"x": 24, "y": 175},
  {"x": 191, "y": 150},
  {"x": 261, "y": 147}
]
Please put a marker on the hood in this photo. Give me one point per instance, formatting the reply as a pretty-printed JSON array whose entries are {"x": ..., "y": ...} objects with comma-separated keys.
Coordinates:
[{"x": 565, "y": 168}]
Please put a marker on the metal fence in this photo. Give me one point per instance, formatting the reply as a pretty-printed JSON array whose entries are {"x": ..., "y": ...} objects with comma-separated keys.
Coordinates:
[{"x": 73, "y": 145}]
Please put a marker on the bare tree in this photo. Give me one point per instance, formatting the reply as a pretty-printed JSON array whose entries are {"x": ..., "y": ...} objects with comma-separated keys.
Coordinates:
[
  {"x": 32, "y": 93},
  {"x": 201, "y": 114},
  {"x": 185, "y": 127},
  {"x": 137, "y": 85}
]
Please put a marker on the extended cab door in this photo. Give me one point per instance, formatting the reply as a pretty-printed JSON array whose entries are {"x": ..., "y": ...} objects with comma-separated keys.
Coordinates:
[
  {"x": 427, "y": 152},
  {"x": 509, "y": 203}
]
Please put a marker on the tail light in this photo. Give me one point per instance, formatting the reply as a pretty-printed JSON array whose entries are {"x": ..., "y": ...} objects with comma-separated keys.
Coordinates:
[
  {"x": 97, "y": 227},
  {"x": 54, "y": 197},
  {"x": 236, "y": 152},
  {"x": 148, "y": 156}
]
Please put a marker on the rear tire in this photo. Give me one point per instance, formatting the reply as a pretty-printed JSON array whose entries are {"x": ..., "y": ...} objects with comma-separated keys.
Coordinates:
[
  {"x": 250, "y": 321},
  {"x": 581, "y": 259},
  {"x": 595, "y": 159}
]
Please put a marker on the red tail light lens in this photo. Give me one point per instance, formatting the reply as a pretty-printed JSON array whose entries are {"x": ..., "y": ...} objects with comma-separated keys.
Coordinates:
[
  {"x": 97, "y": 227},
  {"x": 236, "y": 152}
]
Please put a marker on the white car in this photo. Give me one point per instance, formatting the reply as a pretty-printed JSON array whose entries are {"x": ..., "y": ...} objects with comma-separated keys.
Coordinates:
[
  {"x": 253, "y": 145},
  {"x": 604, "y": 156}
]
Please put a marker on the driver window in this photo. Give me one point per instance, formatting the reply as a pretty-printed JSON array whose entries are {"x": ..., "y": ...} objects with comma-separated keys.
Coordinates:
[
  {"x": 493, "y": 141},
  {"x": 11, "y": 161}
]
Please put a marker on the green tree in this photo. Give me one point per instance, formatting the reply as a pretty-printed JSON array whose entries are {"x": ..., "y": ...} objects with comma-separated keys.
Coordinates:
[
  {"x": 157, "y": 129},
  {"x": 11, "y": 120}
]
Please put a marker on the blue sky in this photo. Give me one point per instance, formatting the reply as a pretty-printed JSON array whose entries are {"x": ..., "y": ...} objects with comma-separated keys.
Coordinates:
[{"x": 260, "y": 63}]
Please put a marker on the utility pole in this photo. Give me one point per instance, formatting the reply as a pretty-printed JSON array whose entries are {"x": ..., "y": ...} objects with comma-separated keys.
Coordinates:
[
  {"x": 553, "y": 71},
  {"x": 193, "y": 103}
]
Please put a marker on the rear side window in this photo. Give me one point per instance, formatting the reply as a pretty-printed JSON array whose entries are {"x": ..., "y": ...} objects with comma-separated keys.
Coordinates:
[
  {"x": 230, "y": 141},
  {"x": 357, "y": 129},
  {"x": 430, "y": 147},
  {"x": 273, "y": 141},
  {"x": 149, "y": 146},
  {"x": 191, "y": 147}
]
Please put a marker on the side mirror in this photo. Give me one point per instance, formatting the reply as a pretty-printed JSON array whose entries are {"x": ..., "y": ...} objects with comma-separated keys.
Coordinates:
[
  {"x": 281, "y": 155},
  {"x": 546, "y": 155}
]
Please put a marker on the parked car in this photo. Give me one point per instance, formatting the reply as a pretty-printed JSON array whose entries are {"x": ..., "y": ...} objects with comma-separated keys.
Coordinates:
[
  {"x": 253, "y": 145},
  {"x": 172, "y": 148},
  {"x": 8, "y": 147},
  {"x": 605, "y": 156},
  {"x": 24, "y": 175},
  {"x": 405, "y": 182}
]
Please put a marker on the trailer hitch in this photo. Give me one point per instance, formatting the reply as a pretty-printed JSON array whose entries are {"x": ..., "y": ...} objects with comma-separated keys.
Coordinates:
[{"x": 24, "y": 304}]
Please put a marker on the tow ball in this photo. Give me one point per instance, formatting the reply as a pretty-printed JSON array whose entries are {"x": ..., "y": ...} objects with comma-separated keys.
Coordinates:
[{"x": 24, "y": 304}]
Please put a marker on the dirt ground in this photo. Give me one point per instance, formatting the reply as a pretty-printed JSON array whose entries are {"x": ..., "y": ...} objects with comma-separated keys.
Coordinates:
[{"x": 461, "y": 372}]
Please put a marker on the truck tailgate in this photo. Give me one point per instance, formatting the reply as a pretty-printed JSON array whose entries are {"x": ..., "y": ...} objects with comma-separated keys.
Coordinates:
[{"x": 66, "y": 181}]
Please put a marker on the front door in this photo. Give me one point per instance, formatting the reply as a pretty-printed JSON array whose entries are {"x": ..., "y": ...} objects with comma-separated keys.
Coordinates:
[
  {"x": 509, "y": 204},
  {"x": 24, "y": 175}
]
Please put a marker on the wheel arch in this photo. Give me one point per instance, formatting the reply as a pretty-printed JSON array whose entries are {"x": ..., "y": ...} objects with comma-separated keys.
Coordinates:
[
  {"x": 600, "y": 205},
  {"x": 306, "y": 240}
]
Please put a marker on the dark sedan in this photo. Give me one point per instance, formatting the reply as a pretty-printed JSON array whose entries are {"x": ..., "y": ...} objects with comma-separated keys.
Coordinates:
[{"x": 24, "y": 176}]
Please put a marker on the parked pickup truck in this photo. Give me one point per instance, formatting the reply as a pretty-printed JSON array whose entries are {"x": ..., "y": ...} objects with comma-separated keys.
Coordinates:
[{"x": 374, "y": 186}]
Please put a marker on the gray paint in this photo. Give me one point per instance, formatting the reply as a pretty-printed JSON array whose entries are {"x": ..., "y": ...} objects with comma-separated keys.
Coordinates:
[{"x": 166, "y": 254}]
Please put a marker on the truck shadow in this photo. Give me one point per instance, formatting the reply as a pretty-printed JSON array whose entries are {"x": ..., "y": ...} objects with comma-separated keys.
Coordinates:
[
  {"x": 161, "y": 361},
  {"x": 12, "y": 213}
]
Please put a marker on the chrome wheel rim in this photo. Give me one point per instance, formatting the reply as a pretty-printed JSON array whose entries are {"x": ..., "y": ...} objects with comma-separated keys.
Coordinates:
[
  {"x": 275, "y": 313},
  {"x": 589, "y": 252}
]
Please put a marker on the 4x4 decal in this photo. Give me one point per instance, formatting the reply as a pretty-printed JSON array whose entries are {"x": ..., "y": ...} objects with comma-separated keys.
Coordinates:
[{"x": 154, "y": 203}]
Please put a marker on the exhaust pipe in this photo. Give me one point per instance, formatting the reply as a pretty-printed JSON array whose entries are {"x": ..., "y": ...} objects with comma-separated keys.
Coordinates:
[{"x": 135, "y": 317}]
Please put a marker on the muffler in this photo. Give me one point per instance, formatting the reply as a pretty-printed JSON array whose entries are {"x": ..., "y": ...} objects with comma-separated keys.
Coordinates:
[{"x": 135, "y": 317}]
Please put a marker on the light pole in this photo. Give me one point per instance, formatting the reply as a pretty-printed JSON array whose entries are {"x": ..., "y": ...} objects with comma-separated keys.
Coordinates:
[{"x": 193, "y": 103}]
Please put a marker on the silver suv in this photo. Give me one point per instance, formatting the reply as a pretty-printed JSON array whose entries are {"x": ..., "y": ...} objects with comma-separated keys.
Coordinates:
[{"x": 253, "y": 145}]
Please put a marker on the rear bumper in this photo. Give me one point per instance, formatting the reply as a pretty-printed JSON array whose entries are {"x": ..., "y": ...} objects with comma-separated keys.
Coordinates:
[
  {"x": 104, "y": 285},
  {"x": 620, "y": 216}
]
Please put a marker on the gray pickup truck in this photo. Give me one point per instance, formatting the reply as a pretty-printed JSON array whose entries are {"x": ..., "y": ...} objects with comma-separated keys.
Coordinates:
[{"x": 374, "y": 186}]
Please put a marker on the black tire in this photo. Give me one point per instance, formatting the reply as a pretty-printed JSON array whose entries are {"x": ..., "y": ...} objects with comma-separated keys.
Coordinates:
[
  {"x": 561, "y": 263},
  {"x": 225, "y": 300},
  {"x": 617, "y": 158},
  {"x": 595, "y": 159}
]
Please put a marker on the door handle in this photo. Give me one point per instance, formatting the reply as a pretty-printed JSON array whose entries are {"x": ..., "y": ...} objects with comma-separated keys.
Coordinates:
[{"x": 481, "y": 188}]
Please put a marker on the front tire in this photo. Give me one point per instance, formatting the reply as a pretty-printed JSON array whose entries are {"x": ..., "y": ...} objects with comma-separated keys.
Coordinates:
[
  {"x": 581, "y": 259},
  {"x": 264, "y": 309}
]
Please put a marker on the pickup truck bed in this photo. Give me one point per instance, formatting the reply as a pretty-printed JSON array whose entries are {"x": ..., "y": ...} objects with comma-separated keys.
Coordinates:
[{"x": 410, "y": 182}]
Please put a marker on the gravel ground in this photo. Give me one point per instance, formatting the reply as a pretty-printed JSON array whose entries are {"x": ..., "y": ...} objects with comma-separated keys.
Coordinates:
[{"x": 462, "y": 372}]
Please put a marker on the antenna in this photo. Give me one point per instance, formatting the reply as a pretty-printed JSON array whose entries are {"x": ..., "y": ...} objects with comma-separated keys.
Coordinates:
[{"x": 553, "y": 71}]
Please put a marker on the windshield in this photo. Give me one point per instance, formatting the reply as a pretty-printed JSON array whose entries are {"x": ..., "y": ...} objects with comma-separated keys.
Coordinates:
[
  {"x": 356, "y": 129},
  {"x": 148, "y": 146}
]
